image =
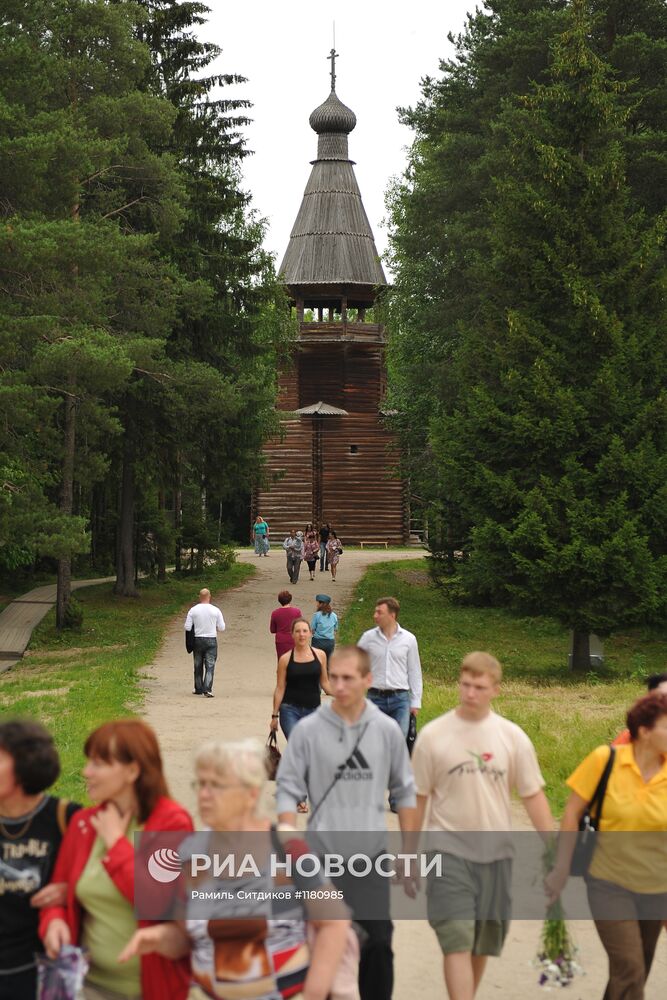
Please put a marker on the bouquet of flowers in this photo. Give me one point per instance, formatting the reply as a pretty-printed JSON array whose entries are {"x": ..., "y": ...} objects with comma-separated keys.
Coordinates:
[{"x": 557, "y": 955}]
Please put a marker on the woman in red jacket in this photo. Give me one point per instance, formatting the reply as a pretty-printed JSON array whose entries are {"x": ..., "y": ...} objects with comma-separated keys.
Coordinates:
[{"x": 124, "y": 776}]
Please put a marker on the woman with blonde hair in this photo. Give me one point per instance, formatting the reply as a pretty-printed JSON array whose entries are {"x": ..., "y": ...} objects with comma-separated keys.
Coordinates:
[{"x": 264, "y": 955}]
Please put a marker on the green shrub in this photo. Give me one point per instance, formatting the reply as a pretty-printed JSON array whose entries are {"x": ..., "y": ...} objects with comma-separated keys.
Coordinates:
[{"x": 73, "y": 618}]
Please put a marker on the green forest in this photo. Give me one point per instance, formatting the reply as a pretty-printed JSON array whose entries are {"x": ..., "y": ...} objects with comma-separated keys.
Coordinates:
[
  {"x": 528, "y": 320},
  {"x": 140, "y": 318},
  {"x": 142, "y": 324}
]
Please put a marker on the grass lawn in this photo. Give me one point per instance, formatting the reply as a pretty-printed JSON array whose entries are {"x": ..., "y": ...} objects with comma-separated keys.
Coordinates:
[
  {"x": 74, "y": 681},
  {"x": 565, "y": 715}
]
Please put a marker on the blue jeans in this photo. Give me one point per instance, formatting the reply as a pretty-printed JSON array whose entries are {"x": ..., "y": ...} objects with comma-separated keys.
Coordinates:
[
  {"x": 327, "y": 645},
  {"x": 290, "y": 715},
  {"x": 324, "y": 557},
  {"x": 205, "y": 655},
  {"x": 395, "y": 704}
]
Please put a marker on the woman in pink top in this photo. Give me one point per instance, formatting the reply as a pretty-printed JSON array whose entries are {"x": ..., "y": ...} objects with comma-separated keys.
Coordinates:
[{"x": 281, "y": 623}]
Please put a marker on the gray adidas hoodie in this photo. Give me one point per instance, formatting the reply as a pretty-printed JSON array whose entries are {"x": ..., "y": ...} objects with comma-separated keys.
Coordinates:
[{"x": 321, "y": 746}]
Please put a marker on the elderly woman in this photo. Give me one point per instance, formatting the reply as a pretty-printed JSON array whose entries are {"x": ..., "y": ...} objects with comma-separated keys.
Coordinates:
[
  {"x": 32, "y": 825},
  {"x": 125, "y": 778},
  {"x": 627, "y": 878},
  {"x": 293, "y": 546},
  {"x": 281, "y": 623},
  {"x": 266, "y": 955}
]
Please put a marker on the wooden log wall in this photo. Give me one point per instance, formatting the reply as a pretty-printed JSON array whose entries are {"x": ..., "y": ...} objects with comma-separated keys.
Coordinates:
[{"x": 361, "y": 494}]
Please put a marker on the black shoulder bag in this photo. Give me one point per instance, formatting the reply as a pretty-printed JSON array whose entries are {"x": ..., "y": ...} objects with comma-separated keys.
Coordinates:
[{"x": 590, "y": 821}]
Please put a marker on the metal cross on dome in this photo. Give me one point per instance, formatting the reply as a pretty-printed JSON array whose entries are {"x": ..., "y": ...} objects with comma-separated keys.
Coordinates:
[{"x": 333, "y": 55}]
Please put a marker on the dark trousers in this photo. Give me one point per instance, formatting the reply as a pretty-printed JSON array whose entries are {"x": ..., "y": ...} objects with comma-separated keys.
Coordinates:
[
  {"x": 324, "y": 557},
  {"x": 630, "y": 943},
  {"x": 376, "y": 962},
  {"x": 326, "y": 645},
  {"x": 293, "y": 566},
  {"x": 205, "y": 655},
  {"x": 19, "y": 985}
]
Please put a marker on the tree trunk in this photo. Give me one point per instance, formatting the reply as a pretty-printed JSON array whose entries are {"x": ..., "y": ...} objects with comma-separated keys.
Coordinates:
[
  {"x": 125, "y": 561},
  {"x": 64, "y": 584},
  {"x": 178, "y": 516},
  {"x": 581, "y": 651},
  {"x": 161, "y": 550}
]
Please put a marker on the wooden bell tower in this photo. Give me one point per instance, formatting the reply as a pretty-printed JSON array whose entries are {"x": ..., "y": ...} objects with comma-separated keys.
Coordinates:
[{"x": 335, "y": 460}]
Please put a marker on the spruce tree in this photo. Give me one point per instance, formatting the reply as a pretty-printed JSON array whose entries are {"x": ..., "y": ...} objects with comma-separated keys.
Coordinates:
[
  {"x": 555, "y": 447},
  {"x": 86, "y": 298}
]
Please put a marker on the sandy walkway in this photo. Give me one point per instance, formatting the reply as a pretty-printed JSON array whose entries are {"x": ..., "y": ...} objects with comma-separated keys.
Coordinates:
[{"x": 243, "y": 687}]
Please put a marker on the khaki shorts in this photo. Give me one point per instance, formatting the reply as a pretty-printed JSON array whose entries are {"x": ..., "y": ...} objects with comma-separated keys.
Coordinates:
[{"x": 469, "y": 905}]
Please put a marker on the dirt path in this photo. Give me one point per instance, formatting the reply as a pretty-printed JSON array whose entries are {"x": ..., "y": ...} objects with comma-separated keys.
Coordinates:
[{"x": 243, "y": 687}]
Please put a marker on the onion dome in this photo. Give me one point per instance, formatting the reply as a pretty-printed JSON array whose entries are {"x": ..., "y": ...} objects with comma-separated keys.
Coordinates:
[{"x": 333, "y": 117}]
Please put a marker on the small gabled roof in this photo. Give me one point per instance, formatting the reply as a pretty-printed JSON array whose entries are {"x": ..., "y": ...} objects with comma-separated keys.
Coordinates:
[{"x": 321, "y": 410}]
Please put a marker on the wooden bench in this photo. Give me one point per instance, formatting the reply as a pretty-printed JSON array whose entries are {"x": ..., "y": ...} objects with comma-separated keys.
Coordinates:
[{"x": 375, "y": 541}]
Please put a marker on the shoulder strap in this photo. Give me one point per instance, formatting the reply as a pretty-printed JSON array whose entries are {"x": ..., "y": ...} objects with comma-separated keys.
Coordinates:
[
  {"x": 599, "y": 793},
  {"x": 61, "y": 815}
]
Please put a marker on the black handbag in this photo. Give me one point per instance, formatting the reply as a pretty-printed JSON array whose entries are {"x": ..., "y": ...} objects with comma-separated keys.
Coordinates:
[
  {"x": 190, "y": 639},
  {"x": 412, "y": 733},
  {"x": 589, "y": 823}
]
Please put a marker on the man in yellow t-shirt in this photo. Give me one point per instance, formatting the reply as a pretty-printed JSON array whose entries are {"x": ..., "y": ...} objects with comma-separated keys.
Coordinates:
[{"x": 466, "y": 764}]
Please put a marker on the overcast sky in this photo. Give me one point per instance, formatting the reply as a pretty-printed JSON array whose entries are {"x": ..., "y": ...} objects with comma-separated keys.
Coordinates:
[{"x": 385, "y": 49}]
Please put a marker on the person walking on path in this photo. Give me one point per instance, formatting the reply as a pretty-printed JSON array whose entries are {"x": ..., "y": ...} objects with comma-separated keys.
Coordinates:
[
  {"x": 300, "y": 675},
  {"x": 260, "y": 532},
  {"x": 32, "y": 825},
  {"x": 293, "y": 546},
  {"x": 311, "y": 549},
  {"x": 97, "y": 859},
  {"x": 281, "y": 623},
  {"x": 263, "y": 951},
  {"x": 466, "y": 764},
  {"x": 324, "y": 625},
  {"x": 395, "y": 664},
  {"x": 334, "y": 550},
  {"x": 627, "y": 877},
  {"x": 207, "y": 621},
  {"x": 340, "y": 739},
  {"x": 325, "y": 530}
]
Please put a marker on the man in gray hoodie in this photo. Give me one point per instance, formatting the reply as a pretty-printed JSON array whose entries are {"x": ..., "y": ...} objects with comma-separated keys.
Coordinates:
[{"x": 343, "y": 758}]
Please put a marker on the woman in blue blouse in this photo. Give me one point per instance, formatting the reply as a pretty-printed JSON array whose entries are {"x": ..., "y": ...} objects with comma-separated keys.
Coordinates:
[{"x": 324, "y": 625}]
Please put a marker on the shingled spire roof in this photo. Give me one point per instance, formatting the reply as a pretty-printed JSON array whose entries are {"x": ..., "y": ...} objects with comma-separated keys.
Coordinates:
[{"x": 331, "y": 242}]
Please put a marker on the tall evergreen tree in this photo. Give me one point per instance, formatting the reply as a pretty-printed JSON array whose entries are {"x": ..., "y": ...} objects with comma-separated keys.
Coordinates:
[
  {"x": 85, "y": 298},
  {"x": 203, "y": 427},
  {"x": 442, "y": 209},
  {"x": 555, "y": 448}
]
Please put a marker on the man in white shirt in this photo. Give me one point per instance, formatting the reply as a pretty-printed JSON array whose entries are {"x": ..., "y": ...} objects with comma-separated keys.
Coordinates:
[
  {"x": 396, "y": 687},
  {"x": 207, "y": 621},
  {"x": 466, "y": 764}
]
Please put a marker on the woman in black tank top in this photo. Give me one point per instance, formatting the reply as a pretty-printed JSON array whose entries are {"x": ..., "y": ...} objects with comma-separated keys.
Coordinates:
[{"x": 301, "y": 674}]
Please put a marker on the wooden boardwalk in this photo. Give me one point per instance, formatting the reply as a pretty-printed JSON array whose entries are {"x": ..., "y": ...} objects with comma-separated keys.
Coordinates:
[{"x": 22, "y": 616}]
